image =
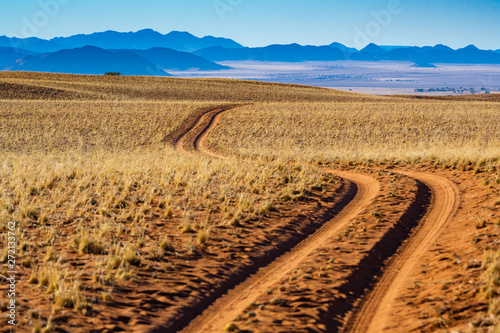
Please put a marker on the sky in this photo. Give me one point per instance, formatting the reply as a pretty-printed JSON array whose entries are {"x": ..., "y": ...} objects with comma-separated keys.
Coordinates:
[{"x": 456, "y": 23}]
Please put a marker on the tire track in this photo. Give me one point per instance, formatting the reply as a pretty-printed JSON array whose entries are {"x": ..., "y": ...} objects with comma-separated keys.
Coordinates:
[
  {"x": 228, "y": 306},
  {"x": 373, "y": 315},
  {"x": 374, "y": 309},
  {"x": 179, "y": 137}
]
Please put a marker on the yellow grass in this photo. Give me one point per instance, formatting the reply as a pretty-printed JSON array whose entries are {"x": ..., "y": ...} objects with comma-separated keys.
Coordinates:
[
  {"x": 87, "y": 175},
  {"x": 393, "y": 130},
  {"x": 89, "y": 125},
  {"x": 59, "y": 86}
]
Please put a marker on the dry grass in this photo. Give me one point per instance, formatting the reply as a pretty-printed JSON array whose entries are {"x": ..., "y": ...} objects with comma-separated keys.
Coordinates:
[
  {"x": 87, "y": 174},
  {"x": 351, "y": 132},
  {"x": 59, "y": 86},
  {"x": 36, "y": 126},
  {"x": 116, "y": 213}
]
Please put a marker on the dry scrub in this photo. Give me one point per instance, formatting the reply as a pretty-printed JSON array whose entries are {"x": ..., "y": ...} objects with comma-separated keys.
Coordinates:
[
  {"x": 351, "y": 132},
  {"x": 37, "y": 126},
  {"x": 60, "y": 86},
  {"x": 102, "y": 201},
  {"x": 104, "y": 205}
]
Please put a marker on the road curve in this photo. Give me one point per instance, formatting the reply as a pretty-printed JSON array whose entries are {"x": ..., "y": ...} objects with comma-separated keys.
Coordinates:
[
  {"x": 230, "y": 305},
  {"x": 188, "y": 136},
  {"x": 374, "y": 313}
]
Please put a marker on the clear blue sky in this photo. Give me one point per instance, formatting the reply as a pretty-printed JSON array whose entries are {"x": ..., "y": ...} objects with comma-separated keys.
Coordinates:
[{"x": 456, "y": 23}]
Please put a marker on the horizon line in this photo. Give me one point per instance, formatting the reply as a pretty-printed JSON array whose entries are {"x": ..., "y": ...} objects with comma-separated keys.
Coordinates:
[{"x": 181, "y": 31}]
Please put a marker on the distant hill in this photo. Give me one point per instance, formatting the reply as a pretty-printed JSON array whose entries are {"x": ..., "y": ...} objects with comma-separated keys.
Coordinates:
[
  {"x": 145, "y": 39},
  {"x": 368, "y": 53},
  {"x": 343, "y": 48},
  {"x": 283, "y": 53},
  {"x": 372, "y": 52},
  {"x": 466, "y": 55},
  {"x": 169, "y": 59},
  {"x": 31, "y": 44},
  {"x": 87, "y": 60},
  {"x": 8, "y": 55},
  {"x": 372, "y": 48},
  {"x": 408, "y": 54}
]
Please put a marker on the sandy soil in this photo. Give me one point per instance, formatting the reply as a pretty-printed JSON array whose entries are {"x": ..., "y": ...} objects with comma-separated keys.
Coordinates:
[
  {"x": 384, "y": 249},
  {"x": 351, "y": 274}
]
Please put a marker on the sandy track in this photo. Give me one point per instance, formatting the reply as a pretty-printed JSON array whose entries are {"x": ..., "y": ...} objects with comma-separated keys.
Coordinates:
[
  {"x": 373, "y": 314},
  {"x": 189, "y": 134},
  {"x": 230, "y": 305},
  {"x": 375, "y": 311}
]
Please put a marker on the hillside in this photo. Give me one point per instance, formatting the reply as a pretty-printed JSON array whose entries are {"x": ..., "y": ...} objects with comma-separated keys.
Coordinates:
[
  {"x": 9, "y": 55},
  {"x": 159, "y": 204},
  {"x": 170, "y": 59},
  {"x": 87, "y": 60},
  {"x": 372, "y": 52},
  {"x": 144, "y": 39}
]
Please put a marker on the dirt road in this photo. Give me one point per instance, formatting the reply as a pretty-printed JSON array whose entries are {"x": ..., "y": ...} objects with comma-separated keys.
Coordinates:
[{"x": 373, "y": 314}]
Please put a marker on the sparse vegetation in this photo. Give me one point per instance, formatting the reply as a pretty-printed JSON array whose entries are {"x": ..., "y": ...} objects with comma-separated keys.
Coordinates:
[
  {"x": 390, "y": 130},
  {"x": 107, "y": 207},
  {"x": 94, "y": 180}
]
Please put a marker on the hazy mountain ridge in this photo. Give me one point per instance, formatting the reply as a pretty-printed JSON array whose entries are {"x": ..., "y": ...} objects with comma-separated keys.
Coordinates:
[
  {"x": 9, "y": 55},
  {"x": 94, "y": 60},
  {"x": 147, "y": 52},
  {"x": 31, "y": 44},
  {"x": 170, "y": 59},
  {"x": 141, "y": 40},
  {"x": 281, "y": 53},
  {"x": 145, "y": 39},
  {"x": 87, "y": 60},
  {"x": 372, "y": 52}
]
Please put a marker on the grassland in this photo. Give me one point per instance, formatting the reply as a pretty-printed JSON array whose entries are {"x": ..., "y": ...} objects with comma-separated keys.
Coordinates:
[
  {"x": 54, "y": 86},
  {"x": 44, "y": 126},
  {"x": 388, "y": 131},
  {"x": 101, "y": 200},
  {"x": 115, "y": 224}
]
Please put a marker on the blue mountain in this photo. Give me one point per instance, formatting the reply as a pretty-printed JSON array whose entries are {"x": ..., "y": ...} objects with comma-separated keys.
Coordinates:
[
  {"x": 9, "y": 55},
  {"x": 466, "y": 55},
  {"x": 372, "y": 48},
  {"x": 31, "y": 44},
  {"x": 372, "y": 52},
  {"x": 406, "y": 54},
  {"x": 170, "y": 59},
  {"x": 282, "y": 53},
  {"x": 87, "y": 60},
  {"x": 343, "y": 48},
  {"x": 144, "y": 39}
]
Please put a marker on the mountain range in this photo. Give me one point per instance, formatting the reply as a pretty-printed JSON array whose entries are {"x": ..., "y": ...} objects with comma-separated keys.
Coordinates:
[
  {"x": 140, "y": 40},
  {"x": 372, "y": 52},
  {"x": 87, "y": 60},
  {"x": 95, "y": 60},
  {"x": 145, "y": 39},
  {"x": 147, "y": 52}
]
